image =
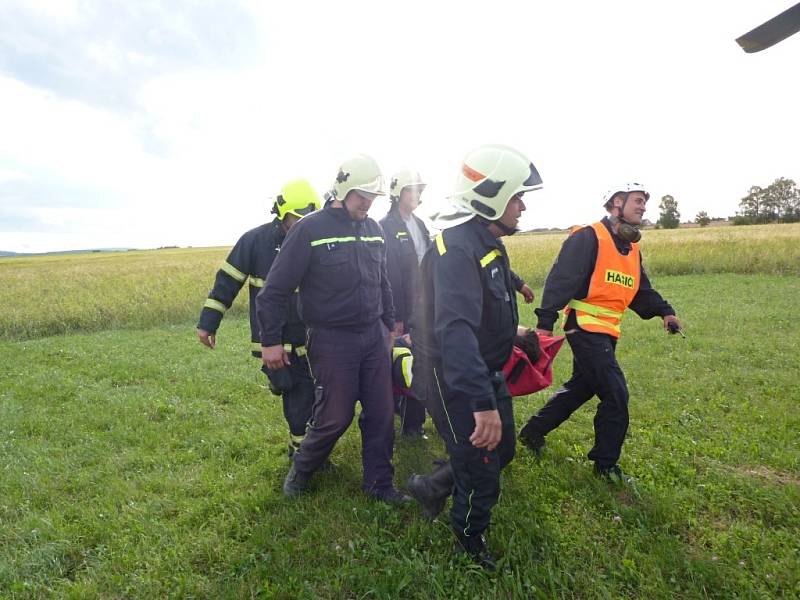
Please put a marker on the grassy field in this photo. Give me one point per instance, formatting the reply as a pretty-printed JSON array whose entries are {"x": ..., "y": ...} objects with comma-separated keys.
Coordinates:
[
  {"x": 50, "y": 295},
  {"x": 137, "y": 464}
]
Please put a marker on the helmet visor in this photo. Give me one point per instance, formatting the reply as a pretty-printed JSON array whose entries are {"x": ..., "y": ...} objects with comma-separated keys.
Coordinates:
[{"x": 301, "y": 212}]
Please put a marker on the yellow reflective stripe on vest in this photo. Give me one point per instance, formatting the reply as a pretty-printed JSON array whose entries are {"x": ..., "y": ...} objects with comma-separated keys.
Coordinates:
[
  {"x": 216, "y": 305},
  {"x": 332, "y": 240},
  {"x": 597, "y": 311},
  {"x": 490, "y": 257},
  {"x": 590, "y": 320},
  {"x": 440, "y": 244},
  {"x": 256, "y": 281},
  {"x": 233, "y": 272}
]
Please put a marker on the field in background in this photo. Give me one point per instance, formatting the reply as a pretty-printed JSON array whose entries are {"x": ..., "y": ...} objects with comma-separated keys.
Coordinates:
[
  {"x": 137, "y": 464},
  {"x": 50, "y": 295}
]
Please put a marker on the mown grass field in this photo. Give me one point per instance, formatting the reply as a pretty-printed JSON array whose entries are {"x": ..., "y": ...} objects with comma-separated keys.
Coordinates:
[{"x": 137, "y": 464}]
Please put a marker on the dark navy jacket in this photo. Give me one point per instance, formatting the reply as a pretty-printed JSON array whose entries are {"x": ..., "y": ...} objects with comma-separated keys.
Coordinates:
[
  {"x": 339, "y": 266},
  {"x": 570, "y": 275},
  {"x": 402, "y": 265},
  {"x": 467, "y": 312},
  {"x": 250, "y": 260}
]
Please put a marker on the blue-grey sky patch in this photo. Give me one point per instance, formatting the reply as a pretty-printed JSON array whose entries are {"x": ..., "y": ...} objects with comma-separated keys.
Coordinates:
[{"x": 102, "y": 54}]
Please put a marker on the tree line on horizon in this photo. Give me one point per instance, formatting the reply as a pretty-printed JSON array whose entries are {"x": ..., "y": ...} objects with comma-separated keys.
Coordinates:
[{"x": 779, "y": 202}]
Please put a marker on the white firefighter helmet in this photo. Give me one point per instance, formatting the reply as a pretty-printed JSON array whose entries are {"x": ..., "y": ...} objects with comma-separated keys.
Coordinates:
[
  {"x": 489, "y": 177},
  {"x": 402, "y": 179},
  {"x": 360, "y": 172}
]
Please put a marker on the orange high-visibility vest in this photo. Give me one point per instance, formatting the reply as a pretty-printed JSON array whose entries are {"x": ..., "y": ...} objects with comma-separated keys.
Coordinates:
[{"x": 614, "y": 283}]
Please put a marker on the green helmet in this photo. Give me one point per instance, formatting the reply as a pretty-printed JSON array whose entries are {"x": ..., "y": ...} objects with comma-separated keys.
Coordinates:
[
  {"x": 360, "y": 172},
  {"x": 402, "y": 179},
  {"x": 297, "y": 198}
]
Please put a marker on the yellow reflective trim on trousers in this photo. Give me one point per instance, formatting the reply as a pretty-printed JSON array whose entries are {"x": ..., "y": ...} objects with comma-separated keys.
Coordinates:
[
  {"x": 372, "y": 238},
  {"x": 590, "y": 320},
  {"x": 256, "y": 281},
  {"x": 597, "y": 311},
  {"x": 440, "y": 244},
  {"x": 216, "y": 305},
  {"x": 490, "y": 257},
  {"x": 332, "y": 240},
  {"x": 233, "y": 272},
  {"x": 469, "y": 511},
  {"x": 444, "y": 406}
]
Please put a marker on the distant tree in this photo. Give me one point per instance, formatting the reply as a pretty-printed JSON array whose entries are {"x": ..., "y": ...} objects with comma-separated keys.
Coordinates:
[
  {"x": 750, "y": 206},
  {"x": 670, "y": 218},
  {"x": 783, "y": 199},
  {"x": 779, "y": 201},
  {"x": 702, "y": 218}
]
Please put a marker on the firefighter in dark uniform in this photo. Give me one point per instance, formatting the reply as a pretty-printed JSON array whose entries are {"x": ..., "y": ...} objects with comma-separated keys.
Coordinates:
[
  {"x": 407, "y": 239},
  {"x": 597, "y": 275},
  {"x": 337, "y": 258},
  {"x": 463, "y": 332},
  {"x": 250, "y": 260}
]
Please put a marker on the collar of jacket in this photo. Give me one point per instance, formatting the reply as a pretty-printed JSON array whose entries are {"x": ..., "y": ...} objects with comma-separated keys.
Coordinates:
[
  {"x": 277, "y": 226},
  {"x": 395, "y": 216},
  {"x": 340, "y": 214},
  {"x": 483, "y": 233}
]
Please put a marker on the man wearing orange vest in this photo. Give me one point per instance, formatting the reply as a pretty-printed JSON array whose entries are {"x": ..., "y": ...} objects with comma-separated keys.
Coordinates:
[{"x": 597, "y": 275}]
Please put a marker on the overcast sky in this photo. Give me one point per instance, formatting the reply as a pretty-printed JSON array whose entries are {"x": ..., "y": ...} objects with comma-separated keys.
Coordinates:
[{"x": 133, "y": 124}]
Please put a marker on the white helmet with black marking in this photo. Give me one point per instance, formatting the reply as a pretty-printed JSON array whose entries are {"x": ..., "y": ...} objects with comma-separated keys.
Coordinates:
[{"x": 489, "y": 177}]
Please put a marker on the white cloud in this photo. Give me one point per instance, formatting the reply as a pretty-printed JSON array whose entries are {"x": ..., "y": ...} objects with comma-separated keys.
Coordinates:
[{"x": 594, "y": 93}]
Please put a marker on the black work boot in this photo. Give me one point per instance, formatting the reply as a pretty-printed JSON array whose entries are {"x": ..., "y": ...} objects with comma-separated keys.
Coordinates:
[
  {"x": 295, "y": 482},
  {"x": 391, "y": 496},
  {"x": 432, "y": 491},
  {"x": 532, "y": 440},
  {"x": 613, "y": 474},
  {"x": 475, "y": 547}
]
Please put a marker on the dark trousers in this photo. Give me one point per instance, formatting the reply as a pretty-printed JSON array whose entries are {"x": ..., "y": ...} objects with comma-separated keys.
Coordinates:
[
  {"x": 595, "y": 371},
  {"x": 476, "y": 470},
  {"x": 412, "y": 413},
  {"x": 349, "y": 367},
  {"x": 298, "y": 400}
]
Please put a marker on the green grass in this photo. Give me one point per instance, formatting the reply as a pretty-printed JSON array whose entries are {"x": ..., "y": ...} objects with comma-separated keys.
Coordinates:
[{"x": 137, "y": 464}]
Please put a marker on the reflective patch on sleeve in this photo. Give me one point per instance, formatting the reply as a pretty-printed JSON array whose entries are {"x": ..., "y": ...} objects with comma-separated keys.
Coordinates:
[
  {"x": 440, "y": 244},
  {"x": 233, "y": 272},
  {"x": 490, "y": 257},
  {"x": 256, "y": 281},
  {"x": 406, "y": 364},
  {"x": 215, "y": 305}
]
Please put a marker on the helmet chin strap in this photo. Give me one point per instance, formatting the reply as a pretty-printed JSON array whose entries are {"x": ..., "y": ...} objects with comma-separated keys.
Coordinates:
[{"x": 500, "y": 225}]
